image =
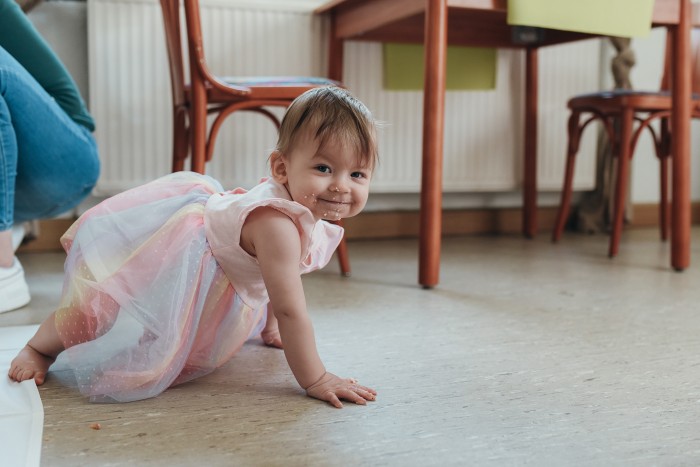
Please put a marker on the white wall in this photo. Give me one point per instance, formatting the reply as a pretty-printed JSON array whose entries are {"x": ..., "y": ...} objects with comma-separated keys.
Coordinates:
[{"x": 64, "y": 25}]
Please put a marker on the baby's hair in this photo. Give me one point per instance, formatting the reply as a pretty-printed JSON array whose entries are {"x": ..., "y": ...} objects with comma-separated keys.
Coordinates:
[{"x": 331, "y": 113}]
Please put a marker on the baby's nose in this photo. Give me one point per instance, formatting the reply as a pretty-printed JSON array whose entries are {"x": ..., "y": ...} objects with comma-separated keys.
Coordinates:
[{"x": 340, "y": 187}]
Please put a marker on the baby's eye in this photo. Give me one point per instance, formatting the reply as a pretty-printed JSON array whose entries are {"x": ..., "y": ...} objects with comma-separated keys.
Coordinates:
[
  {"x": 358, "y": 175},
  {"x": 323, "y": 169}
]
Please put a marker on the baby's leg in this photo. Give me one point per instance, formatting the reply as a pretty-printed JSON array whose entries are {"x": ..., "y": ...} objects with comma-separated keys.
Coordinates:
[
  {"x": 271, "y": 333},
  {"x": 34, "y": 360}
]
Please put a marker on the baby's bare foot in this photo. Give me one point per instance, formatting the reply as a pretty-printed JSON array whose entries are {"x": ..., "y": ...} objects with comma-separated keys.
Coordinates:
[
  {"x": 271, "y": 337},
  {"x": 28, "y": 364},
  {"x": 271, "y": 332}
]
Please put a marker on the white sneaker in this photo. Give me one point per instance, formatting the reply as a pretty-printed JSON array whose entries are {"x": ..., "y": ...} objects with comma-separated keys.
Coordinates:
[{"x": 14, "y": 292}]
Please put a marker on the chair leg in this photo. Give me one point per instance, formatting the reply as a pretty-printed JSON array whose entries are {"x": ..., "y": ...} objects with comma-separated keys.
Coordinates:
[
  {"x": 623, "y": 161},
  {"x": 178, "y": 164},
  {"x": 572, "y": 149},
  {"x": 344, "y": 258},
  {"x": 198, "y": 126},
  {"x": 180, "y": 140},
  {"x": 664, "y": 212},
  {"x": 663, "y": 153},
  {"x": 342, "y": 252}
]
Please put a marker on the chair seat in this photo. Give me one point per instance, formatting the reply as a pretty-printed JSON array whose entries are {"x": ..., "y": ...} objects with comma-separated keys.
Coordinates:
[
  {"x": 613, "y": 101},
  {"x": 293, "y": 81},
  {"x": 268, "y": 88},
  {"x": 621, "y": 93}
]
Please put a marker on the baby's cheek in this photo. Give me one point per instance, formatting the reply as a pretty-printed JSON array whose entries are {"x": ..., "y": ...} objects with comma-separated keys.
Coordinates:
[{"x": 308, "y": 199}]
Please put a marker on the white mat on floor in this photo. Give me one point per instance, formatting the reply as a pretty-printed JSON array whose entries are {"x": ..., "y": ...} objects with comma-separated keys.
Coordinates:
[{"x": 21, "y": 412}]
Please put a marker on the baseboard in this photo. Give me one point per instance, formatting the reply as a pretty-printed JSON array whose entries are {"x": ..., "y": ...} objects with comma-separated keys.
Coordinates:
[
  {"x": 405, "y": 224},
  {"x": 48, "y": 236},
  {"x": 647, "y": 215}
]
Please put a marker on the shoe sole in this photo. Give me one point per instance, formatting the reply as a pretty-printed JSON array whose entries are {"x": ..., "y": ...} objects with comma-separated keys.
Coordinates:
[{"x": 16, "y": 295}]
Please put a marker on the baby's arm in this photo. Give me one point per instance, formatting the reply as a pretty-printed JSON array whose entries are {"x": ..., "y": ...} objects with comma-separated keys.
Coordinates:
[{"x": 274, "y": 239}]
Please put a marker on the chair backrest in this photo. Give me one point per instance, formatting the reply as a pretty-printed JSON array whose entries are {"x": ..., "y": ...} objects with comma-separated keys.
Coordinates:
[
  {"x": 173, "y": 42},
  {"x": 695, "y": 66},
  {"x": 199, "y": 72}
]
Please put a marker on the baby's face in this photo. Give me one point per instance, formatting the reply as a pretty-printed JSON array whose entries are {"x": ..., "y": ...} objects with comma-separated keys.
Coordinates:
[{"x": 330, "y": 180}]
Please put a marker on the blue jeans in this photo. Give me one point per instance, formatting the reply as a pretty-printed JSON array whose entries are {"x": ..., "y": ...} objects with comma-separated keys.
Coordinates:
[{"x": 48, "y": 162}]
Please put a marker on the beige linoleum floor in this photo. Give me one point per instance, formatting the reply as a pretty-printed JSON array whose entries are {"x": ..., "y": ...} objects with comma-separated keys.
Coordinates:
[{"x": 527, "y": 353}]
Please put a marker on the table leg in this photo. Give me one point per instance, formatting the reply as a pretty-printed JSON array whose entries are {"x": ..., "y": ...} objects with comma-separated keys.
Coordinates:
[
  {"x": 335, "y": 72},
  {"x": 530, "y": 156},
  {"x": 335, "y": 51},
  {"x": 433, "y": 131},
  {"x": 680, "y": 142}
]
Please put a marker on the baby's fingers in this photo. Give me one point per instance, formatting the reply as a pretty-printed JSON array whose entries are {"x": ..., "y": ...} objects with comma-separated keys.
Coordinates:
[
  {"x": 352, "y": 395},
  {"x": 334, "y": 397},
  {"x": 366, "y": 389},
  {"x": 334, "y": 401},
  {"x": 366, "y": 393},
  {"x": 358, "y": 394}
]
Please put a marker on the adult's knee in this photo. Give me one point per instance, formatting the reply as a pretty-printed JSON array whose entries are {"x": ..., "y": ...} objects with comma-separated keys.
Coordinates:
[{"x": 55, "y": 193}]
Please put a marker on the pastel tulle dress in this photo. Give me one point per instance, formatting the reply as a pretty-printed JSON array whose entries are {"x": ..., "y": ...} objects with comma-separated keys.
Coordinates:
[{"x": 157, "y": 289}]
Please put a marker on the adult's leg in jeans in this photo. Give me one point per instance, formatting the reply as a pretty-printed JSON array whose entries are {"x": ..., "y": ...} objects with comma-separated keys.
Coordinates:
[
  {"x": 8, "y": 168},
  {"x": 48, "y": 163}
]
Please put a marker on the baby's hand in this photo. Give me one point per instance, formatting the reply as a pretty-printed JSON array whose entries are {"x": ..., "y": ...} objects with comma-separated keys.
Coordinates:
[{"x": 331, "y": 388}]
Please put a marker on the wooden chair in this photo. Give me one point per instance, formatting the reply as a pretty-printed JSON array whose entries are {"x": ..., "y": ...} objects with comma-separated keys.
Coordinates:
[
  {"x": 618, "y": 110},
  {"x": 207, "y": 94}
]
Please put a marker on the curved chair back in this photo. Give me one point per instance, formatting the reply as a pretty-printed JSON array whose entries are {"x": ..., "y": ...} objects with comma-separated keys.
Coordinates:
[{"x": 179, "y": 90}]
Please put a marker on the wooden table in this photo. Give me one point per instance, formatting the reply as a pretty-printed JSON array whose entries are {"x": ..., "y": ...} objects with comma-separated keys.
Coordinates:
[{"x": 483, "y": 23}]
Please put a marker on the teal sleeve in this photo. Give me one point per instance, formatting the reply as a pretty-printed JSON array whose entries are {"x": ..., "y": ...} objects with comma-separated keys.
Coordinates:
[{"x": 21, "y": 40}]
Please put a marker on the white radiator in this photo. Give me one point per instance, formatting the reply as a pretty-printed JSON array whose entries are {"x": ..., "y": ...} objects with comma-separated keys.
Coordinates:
[{"x": 130, "y": 99}]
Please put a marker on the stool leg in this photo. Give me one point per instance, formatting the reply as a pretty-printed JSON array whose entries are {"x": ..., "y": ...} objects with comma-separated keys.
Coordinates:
[
  {"x": 664, "y": 212},
  {"x": 572, "y": 149},
  {"x": 623, "y": 160}
]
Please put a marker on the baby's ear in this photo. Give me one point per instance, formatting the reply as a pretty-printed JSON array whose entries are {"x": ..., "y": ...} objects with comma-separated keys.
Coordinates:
[{"x": 278, "y": 167}]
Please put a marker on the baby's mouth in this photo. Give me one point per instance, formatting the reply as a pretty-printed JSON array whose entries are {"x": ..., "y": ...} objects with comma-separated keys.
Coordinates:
[{"x": 334, "y": 202}]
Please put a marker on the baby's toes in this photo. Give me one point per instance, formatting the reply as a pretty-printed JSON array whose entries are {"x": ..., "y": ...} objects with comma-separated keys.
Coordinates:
[
  {"x": 27, "y": 374},
  {"x": 274, "y": 342},
  {"x": 272, "y": 339},
  {"x": 17, "y": 374},
  {"x": 39, "y": 378}
]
